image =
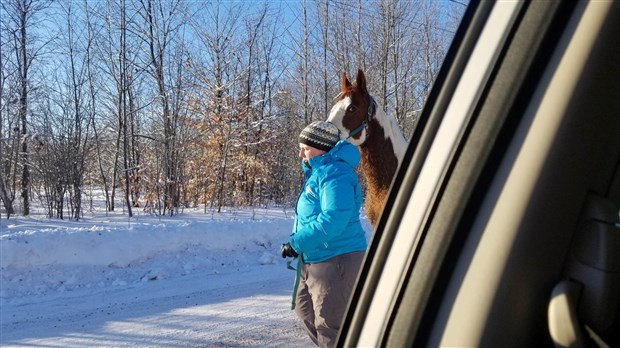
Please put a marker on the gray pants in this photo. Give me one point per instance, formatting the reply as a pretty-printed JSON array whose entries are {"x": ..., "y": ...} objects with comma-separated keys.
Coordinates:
[{"x": 323, "y": 295}]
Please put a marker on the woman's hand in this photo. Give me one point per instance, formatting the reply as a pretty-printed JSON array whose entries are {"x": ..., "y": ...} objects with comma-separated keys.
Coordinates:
[{"x": 288, "y": 251}]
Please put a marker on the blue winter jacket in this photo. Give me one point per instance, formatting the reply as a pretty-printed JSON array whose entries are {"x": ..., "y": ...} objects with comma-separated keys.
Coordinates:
[{"x": 327, "y": 222}]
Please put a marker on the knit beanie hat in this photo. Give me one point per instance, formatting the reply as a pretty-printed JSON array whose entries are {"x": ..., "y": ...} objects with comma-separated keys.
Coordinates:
[{"x": 321, "y": 135}]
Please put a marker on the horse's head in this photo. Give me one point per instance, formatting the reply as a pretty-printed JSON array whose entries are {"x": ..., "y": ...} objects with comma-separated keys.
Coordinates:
[{"x": 353, "y": 109}]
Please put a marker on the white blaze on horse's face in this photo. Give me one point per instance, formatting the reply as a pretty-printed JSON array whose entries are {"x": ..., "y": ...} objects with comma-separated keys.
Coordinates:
[{"x": 336, "y": 116}]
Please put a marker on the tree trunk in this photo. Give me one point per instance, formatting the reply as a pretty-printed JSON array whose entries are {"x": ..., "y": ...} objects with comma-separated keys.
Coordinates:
[
  {"x": 8, "y": 206},
  {"x": 122, "y": 107},
  {"x": 23, "y": 107}
]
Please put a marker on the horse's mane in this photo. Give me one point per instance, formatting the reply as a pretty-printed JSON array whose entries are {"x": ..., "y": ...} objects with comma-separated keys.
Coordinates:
[{"x": 392, "y": 131}]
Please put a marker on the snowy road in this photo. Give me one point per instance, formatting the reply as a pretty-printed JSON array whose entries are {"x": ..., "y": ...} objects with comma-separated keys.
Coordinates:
[
  {"x": 192, "y": 280},
  {"x": 197, "y": 310}
]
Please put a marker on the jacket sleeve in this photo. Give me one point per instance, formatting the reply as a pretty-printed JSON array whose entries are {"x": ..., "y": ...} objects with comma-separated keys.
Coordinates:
[{"x": 337, "y": 196}]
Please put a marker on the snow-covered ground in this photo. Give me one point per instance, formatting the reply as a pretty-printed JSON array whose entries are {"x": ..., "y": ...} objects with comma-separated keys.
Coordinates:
[{"x": 192, "y": 280}]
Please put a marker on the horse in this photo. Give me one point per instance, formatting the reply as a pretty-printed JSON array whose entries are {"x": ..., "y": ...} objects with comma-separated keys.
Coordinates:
[{"x": 364, "y": 123}]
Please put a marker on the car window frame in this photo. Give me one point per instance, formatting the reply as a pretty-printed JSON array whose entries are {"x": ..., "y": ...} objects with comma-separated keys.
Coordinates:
[{"x": 559, "y": 14}]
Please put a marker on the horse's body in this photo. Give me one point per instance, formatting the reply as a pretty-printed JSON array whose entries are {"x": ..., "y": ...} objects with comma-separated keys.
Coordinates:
[{"x": 381, "y": 143}]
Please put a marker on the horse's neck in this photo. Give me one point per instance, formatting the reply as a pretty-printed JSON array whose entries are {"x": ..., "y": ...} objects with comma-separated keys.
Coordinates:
[
  {"x": 392, "y": 131},
  {"x": 380, "y": 156}
]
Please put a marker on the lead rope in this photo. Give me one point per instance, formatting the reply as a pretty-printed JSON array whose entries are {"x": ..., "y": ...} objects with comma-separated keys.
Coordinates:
[
  {"x": 297, "y": 279},
  {"x": 300, "y": 258}
]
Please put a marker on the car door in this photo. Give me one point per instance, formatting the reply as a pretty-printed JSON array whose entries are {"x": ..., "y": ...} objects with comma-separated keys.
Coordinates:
[{"x": 507, "y": 198}]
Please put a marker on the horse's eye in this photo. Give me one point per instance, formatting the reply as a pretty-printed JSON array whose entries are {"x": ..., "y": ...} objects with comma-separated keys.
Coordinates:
[{"x": 352, "y": 108}]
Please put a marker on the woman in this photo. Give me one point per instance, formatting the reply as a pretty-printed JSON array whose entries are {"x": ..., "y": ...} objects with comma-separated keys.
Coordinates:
[{"x": 327, "y": 234}]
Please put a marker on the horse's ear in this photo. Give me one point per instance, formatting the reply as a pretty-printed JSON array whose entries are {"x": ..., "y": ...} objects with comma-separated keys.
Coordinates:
[
  {"x": 360, "y": 81},
  {"x": 345, "y": 83}
]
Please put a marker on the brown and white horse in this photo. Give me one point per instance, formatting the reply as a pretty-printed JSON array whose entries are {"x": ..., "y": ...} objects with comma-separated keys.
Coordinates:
[{"x": 381, "y": 143}]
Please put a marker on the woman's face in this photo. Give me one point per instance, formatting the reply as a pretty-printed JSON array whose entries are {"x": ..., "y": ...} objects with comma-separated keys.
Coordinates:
[{"x": 306, "y": 152}]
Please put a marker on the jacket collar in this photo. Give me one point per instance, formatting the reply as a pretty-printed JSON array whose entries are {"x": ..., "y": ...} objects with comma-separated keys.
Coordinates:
[{"x": 343, "y": 151}]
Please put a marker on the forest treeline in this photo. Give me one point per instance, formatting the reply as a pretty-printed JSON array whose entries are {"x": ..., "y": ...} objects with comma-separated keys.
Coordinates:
[{"x": 165, "y": 104}]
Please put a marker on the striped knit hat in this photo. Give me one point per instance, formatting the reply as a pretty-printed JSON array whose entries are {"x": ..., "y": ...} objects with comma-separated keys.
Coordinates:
[{"x": 321, "y": 135}]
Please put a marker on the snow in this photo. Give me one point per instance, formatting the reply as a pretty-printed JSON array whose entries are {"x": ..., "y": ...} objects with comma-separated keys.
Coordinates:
[{"x": 192, "y": 280}]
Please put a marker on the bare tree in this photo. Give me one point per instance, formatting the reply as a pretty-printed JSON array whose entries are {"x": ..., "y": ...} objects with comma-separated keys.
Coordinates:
[
  {"x": 123, "y": 103},
  {"x": 119, "y": 150},
  {"x": 55, "y": 155},
  {"x": 113, "y": 56},
  {"x": 266, "y": 136},
  {"x": 19, "y": 13},
  {"x": 300, "y": 70},
  {"x": 217, "y": 75},
  {"x": 21, "y": 17},
  {"x": 74, "y": 91},
  {"x": 94, "y": 41},
  {"x": 162, "y": 20},
  {"x": 250, "y": 136},
  {"x": 23, "y": 7},
  {"x": 305, "y": 56},
  {"x": 403, "y": 52},
  {"x": 9, "y": 131}
]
